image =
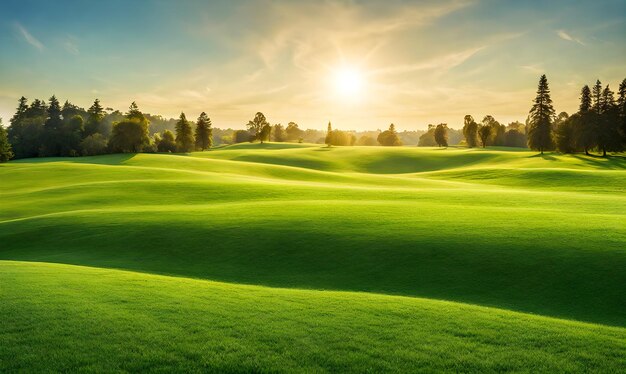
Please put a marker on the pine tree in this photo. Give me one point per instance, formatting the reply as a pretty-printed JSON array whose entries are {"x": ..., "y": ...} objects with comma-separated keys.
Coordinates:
[
  {"x": 184, "y": 135},
  {"x": 54, "y": 122},
  {"x": 52, "y": 129},
  {"x": 597, "y": 96},
  {"x": 329, "y": 135},
  {"x": 96, "y": 115},
  {"x": 621, "y": 103},
  {"x": 20, "y": 112},
  {"x": 608, "y": 130},
  {"x": 541, "y": 115},
  {"x": 204, "y": 132},
  {"x": 584, "y": 123},
  {"x": 133, "y": 112},
  {"x": 5, "y": 147}
]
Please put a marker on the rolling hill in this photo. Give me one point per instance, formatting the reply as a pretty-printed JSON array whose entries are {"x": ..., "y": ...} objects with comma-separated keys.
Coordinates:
[{"x": 288, "y": 256}]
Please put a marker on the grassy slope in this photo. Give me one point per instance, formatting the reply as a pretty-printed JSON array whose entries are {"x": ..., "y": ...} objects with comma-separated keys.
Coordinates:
[
  {"x": 493, "y": 227},
  {"x": 60, "y": 318},
  {"x": 556, "y": 251}
]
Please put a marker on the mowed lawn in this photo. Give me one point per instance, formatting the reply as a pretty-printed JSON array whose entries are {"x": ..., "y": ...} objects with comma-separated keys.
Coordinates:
[{"x": 519, "y": 233}]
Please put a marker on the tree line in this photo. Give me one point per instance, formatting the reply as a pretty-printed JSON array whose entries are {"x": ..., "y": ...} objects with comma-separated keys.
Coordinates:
[
  {"x": 41, "y": 129},
  {"x": 599, "y": 125}
]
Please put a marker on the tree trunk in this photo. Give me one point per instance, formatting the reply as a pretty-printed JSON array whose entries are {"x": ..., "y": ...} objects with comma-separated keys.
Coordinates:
[{"x": 603, "y": 152}]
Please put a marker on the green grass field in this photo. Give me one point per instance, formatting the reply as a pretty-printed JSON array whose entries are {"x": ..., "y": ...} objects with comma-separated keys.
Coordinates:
[{"x": 288, "y": 257}]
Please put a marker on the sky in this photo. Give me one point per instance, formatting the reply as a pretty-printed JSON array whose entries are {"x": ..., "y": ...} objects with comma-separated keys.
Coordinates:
[{"x": 359, "y": 64}]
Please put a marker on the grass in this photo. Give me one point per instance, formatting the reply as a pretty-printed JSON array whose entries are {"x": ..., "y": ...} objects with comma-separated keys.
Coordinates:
[
  {"x": 67, "y": 318},
  {"x": 500, "y": 228}
]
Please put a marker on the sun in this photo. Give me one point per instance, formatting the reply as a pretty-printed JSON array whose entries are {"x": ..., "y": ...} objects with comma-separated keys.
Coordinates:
[{"x": 348, "y": 82}]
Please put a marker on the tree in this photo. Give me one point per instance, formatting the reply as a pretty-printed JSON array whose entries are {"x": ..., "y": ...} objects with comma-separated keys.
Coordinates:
[
  {"x": 94, "y": 120},
  {"x": 94, "y": 144},
  {"x": 26, "y": 131},
  {"x": 21, "y": 110},
  {"x": 167, "y": 143},
  {"x": 6, "y": 153},
  {"x": 428, "y": 138},
  {"x": 470, "y": 131},
  {"x": 389, "y": 137},
  {"x": 441, "y": 135},
  {"x": 515, "y": 138},
  {"x": 541, "y": 114},
  {"x": 293, "y": 132},
  {"x": 256, "y": 125},
  {"x": 621, "y": 103},
  {"x": 184, "y": 135},
  {"x": 134, "y": 113},
  {"x": 266, "y": 132},
  {"x": 366, "y": 140},
  {"x": 71, "y": 135},
  {"x": 204, "y": 132},
  {"x": 565, "y": 134},
  {"x": 342, "y": 138},
  {"x": 242, "y": 136},
  {"x": 584, "y": 126},
  {"x": 597, "y": 97},
  {"x": 484, "y": 132},
  {"x": 496, "y": 134},
  {"x": 52, "y": 138},
  {"x": 609, "y": 139},
  {"x": 131, "y": 134},
  {"x": 329, "y": 135},
  {"x": 279, "y": 133}
]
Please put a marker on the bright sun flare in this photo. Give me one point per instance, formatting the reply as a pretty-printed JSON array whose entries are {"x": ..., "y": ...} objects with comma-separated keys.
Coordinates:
[{"x": 348, "y": 82}]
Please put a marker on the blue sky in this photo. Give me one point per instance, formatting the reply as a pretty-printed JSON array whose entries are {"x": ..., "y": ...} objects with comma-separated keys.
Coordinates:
[{"x": 416, "y": 62}]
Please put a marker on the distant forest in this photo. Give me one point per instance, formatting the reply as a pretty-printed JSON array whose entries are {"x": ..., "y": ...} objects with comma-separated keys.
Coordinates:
[{"x": 48, "y": 129}]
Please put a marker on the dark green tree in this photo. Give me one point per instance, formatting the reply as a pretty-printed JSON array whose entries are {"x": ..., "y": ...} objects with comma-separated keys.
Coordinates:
[
  {"x": 609, "y": 137},
  {"x": 204, "y": 132},
  {"x": 484, "y": 133},
  {"x": 389, "y": 137},
  {"x": 52, "y": 141},
  {"x": 6, "y": 153},
  {"x": 470, "y": 131},
  {"x": 256, "y": 125},
  {"x": 132, "y": 133},
  {"x": 184, "y": 135},
  {"x": 71, "y": 134},
  {"x": 134, "y": 112},
  {"x": 584, "y": 125},
  {"x": 441, "y": 135},
  {"x": 621, "y": 104},
  {"x": 167, "y": 143},
  {"x": 95, "y": 116},
  {"x": 565, "y": 134},
  {"x": 597, "y": 97},
  {"x": 541, "y": 115}
]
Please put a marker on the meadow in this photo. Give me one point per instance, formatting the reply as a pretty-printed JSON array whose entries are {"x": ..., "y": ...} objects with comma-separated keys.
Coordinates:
[{"x": 300, "y": 257}]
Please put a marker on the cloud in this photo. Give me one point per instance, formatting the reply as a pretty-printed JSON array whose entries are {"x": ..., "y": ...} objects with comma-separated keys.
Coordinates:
[
  {"x": 28, "y": 37},
  {"x": 534, "y": 68},
  {"x": 71, "y": 45},
  {"x": 565, "y": 36}
]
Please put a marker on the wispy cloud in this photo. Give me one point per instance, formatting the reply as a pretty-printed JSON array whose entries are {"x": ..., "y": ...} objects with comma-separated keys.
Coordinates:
[
  {"x": 28, "y": 37},
  {"x": 533, "y": 68},
  {"x": 565, "y": 36},
  {"x": 71, "y": 45}
]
